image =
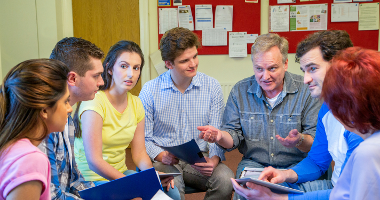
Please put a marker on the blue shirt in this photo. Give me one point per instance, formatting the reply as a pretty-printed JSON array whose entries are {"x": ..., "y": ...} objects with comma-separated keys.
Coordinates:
[
  {"x": 66, "y": 179},
  {"x": 330, "y": 139},
  {"x": 253, "y": 123},
  {"x": 360, "y": 178},
  {"x": 172, "y": 118}
]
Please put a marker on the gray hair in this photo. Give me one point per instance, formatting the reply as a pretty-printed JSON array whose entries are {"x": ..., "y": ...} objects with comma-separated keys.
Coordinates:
[{"x": 264, "y": 42}]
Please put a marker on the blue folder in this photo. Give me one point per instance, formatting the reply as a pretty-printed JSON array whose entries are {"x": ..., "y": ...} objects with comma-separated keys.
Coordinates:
[
  {"x": 144, "y": 184},
  {"x": 188, "y": 152}
]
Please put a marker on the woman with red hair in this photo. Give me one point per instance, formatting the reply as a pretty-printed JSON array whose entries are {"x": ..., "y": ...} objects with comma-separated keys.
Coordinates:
[{"x": 352, "y": 91}]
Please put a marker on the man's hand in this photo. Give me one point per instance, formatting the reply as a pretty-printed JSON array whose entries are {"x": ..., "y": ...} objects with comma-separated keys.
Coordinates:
[
  {"x": 209, "y": 134},
  {"x": 167, "y": 182},
  {"x": 167, "y": 158},
  {"x": 273, "y": 175},
  {"x": 207, "y": 168},
  {"x": 252, "y": 191},
  {"x": 291, "y": 140}
]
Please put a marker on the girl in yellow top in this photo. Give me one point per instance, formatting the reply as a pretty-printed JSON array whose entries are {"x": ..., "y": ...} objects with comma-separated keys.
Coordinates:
[{"x": 113, "y": 120}]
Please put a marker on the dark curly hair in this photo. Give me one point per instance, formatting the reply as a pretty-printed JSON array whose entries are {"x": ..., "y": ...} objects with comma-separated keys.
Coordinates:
[
  {"x": 330, "y": 42},
  {"x": 76, "y": 53},
  {"x": 175, "y": 41}
]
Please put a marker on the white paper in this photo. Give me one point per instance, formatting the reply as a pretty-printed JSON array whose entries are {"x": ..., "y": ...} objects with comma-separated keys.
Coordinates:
[
  {"x": 342, "y": 1},
  {"x": 214, "y": 37},
  {"x": 363, "y": 0},
  {"x": 286, "y": 1},
  {"x": 308, "y": 17},
  {"x": 344, "y": 12},
  {"x": 369, "y": 16},
  {"x": 185, "y": 17},
  {"x": 167, "y": 19},
  {"x": 237, "y": 44},
  {"x": 251, "y": 38},
  {"x": 279, "y": 17},
  {"x": 203, "y": 17},
  {"x": 177, "y": 2},
  {"x": 157, "y": 62},
  {"x": 160, "y": 195},
  {"x": 224, "y": 17}
]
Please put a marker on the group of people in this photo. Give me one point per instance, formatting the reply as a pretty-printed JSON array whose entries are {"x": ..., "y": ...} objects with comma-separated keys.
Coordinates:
[{"x": 292, "y": 126}]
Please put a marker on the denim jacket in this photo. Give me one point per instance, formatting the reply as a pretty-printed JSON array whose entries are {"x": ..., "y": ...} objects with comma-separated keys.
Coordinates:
[{"x": 253, "y": 123}]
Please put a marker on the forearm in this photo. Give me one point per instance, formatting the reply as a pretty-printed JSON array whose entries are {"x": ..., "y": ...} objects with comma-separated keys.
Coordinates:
[
  {"x": 306, "y": 144},
  {"x": 291, "y": 176},
  {"x": 142, "y": 161},
  {"x": 226, "y": 140},
  {"x": 104, "y": 169}
]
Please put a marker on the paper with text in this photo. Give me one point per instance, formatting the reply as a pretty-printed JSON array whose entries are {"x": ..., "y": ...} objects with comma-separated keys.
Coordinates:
[
  {"x": 344, "y": 12},
  {"x": 237, "y": 44},
  {"x": 279, "y": 18},
  {"x": 203, "y": 17},
  {"x": 369, "y": 16},
  {"x": 224, "y": 17},
  {"x": 185, "y": 17},
  {"x": 214, "y": 37},
  {"x": 167, "y": 19}
]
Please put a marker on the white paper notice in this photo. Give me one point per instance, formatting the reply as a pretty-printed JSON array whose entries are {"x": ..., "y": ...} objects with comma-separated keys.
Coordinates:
[
  {"x": 167, "y": 19},
  {"x": 214, "y": 37},
  {"x": 237, "y": 44},
  {"x": 185, "y": 17},
  {"x": 308, "y": 17},
  {"x": 223, "y": 17},
  {"x": 157, "y": 62},
  {"x": 279, "y": 18},
  {"x": 369, "y": 16},
  {"x": 251, "y": 38},
  {"x": 203, "y": 17},
  {"x": 286, "y": 1},
  {"x": 344, "y": 12},
  {"x": 342, "y": 1}
]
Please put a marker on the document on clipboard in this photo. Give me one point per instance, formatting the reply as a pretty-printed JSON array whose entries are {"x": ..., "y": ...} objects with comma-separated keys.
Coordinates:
[
  {"x": 144, "y": 184},
  {"x": 188, "y": 152}
]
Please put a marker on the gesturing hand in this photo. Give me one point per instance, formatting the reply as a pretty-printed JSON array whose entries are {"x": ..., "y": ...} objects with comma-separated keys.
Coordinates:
[{"x": 209, "y": 134}]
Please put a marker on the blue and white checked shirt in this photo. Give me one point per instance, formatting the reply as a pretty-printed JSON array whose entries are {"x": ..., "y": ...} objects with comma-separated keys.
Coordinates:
[
  {"x": 172, "y": 118},
  {"x": 66, "y": 179}
]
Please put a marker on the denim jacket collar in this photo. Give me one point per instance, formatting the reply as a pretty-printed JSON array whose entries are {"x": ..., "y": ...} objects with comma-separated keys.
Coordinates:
[{"x": 289, "y": 86}]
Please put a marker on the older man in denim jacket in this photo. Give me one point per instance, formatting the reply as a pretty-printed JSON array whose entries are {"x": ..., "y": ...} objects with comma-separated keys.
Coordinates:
[{"x": 270, "y": 117}]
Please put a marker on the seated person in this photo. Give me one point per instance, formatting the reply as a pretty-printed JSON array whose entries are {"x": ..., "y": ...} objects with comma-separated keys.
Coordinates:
[
  {"x": 83, "y": 59},
  {"x": 272, "y": 103},
  {"x": 113, "y": 120},
  {"x": 314, "y": 54},
  {"x": 34, "y": 102},
  {"x": 176, "y": 103},
  {"x": 351, "y": 90}
]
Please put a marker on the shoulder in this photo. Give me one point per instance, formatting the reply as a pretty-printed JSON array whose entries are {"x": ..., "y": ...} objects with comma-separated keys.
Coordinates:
[
  {"x": 23, "y": 154},
  {"x": 206, "y": 80},
  {"x": 157, "y": 82},
  {"x": 134, "y": 99},
  {"x": 245, "y": 83}
]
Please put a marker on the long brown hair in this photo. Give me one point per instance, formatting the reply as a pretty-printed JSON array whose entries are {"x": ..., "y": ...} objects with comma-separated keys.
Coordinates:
[
  {"x": 28, "y": 88},
  {"x": 113, "y": 54}
]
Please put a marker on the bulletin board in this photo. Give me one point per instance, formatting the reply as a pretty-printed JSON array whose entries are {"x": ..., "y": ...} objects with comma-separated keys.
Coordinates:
[
  {"x": 246, "y": 18},
  {"x": 365, "y": 39}
]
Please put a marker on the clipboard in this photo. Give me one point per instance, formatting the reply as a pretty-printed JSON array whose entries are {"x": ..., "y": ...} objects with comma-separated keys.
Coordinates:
[
  {"x": 188, "y": 152},
  {"x": 274, "y": 187},
  {"x": 144, "y": 184}
]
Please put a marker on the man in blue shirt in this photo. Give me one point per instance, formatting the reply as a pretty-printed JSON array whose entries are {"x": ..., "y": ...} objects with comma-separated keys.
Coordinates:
[
  {"x": 84, "y": 61},
  {"x": 331, "y": 141},
  {"x": 176, "y": 103}
]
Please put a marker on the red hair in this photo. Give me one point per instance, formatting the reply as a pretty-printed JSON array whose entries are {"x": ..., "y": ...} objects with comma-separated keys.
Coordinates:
[{"x": 351, "y": 88}]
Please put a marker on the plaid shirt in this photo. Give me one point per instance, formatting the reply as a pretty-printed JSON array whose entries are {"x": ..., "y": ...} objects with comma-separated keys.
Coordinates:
[
  {"x": 172, "y": 118},
  {"x": 66, "y": 179}
]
